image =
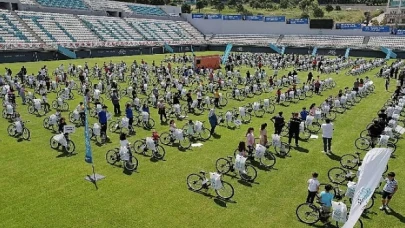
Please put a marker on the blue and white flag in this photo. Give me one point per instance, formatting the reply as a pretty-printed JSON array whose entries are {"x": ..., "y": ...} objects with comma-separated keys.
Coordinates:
[
  {"x": 89, "y": 155},
  {"x": 372, "y": 168}
]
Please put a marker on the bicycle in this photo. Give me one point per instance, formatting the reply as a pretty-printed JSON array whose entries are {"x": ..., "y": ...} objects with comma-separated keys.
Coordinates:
[
  {"x": 142, "y": 146},
  {"x": 36, "y": 107},
  {"x": 168, "y": 139},
  {"x": 95, "y": 133},
  {"x": 145, "y": 120},
  {"x": 113, "y": 156},
  {"x": 64, "y": 141},
  {"x": 18, "y": 129},
  {"x": 226, "y": 165},
  {"x": 198, "y": 131},
  {"x": 363, "y": 143},
  {"x": 60, "y": 104},
  {"x": 51, "y": 122},
  {"x": 266, "y": 158},
  {"x": 77, "y": 118},
  {"x": 223, "y": 189},
  {"x": 350, "y": 161}
]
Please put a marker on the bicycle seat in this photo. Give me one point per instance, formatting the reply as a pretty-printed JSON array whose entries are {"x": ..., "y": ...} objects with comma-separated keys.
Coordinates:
[
  {"x": 202, "y": 172},
  {"x": 230, "y": 156}
]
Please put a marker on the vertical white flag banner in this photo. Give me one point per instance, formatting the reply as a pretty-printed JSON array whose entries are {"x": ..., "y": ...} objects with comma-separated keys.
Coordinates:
[{"x": 372, "y": 168}]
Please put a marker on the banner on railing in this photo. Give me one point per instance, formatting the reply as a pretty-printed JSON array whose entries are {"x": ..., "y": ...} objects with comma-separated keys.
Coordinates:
[
  {"x": 213, "y": 16},
  {"x": 254, "y": 18},
  {"x": 347, "y": 26},
  {"x": 297, "y": 21},
  {"x": 231, "y": 17},
  {"x": 274, "y": 19},
  {"x": 376, "y": 28},
  {"x": 197, "y": 16}
]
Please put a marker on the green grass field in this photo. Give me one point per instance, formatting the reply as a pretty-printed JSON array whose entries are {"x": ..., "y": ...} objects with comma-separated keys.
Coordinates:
[{"x": 40, "y": 188}]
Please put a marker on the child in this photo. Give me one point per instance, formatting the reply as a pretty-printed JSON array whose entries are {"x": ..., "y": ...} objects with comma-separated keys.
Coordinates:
[
  {"x": 313, "y": 188},
  {"x": 155, "y": 136},
  {"x": 190, "y": 127},
  {"x": 326, "y": 201},
  {"x": 172, "y": 127},
  {"x": 278, "y": 95}
]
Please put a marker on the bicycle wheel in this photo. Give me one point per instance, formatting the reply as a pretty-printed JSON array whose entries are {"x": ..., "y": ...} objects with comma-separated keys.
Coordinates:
[
  {"x": 112, "y": 156},
  {"x": 132, "y": 164},
  {"x": 270, "y": 109},
  {"x": 65, "y": 106},
  {"x": 362, "y": 143},
  {"x": 308, "y": 213},
  {"x": 331, "y": 115},
  {"x": 370, "y": 203},
  {"x": 305, "y": 135},
  {"x": 53, "y": 143},
  {"x": 205, "y": 134},
  {"x": 159, "y": 153},
  {"x": 363, "y": 134},
  {"x": 249, "y": 174},
  {"x": 31, "y": 109},
  {"x": 337, "y": 175},
  {"x": 70, "y": 148},
  {"x": 139, "y": 146},
  {"x": 226, "y": 191},
  {"x": 223, "y": 165},
  {"x": 26, "y": 134},
  {"x": 392, "y": 146},
  {"x": 54, "y": 104},
  {"x": 314, "y": 127},
  {"x": 283, "y": 150},
  {"x": 309, "y": 93},
  {"x": 259, "y": 113},
  {"x": 45, "y": 123},
  {"x": 41, "y": 111},
  {"x": 149, "y": 124},
  {"x": 268, "y": 160},
  {"x": 185, "y": 143},
  {"x": 194, "y": 182},
  {"x": 349, "y": 161},
  {"x": 165, "y": 138},
  {"x": 246, "y": 118},
  {"x": 223, "y": 101}
]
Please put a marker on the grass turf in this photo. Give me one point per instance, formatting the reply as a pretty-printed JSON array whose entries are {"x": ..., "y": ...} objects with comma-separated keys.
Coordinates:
[{"x": 40, "y": 188}]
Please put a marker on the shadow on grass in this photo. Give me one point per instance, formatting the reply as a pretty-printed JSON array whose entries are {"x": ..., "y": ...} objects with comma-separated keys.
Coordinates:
[
  {"x": 302, "y": 150},
  {"x": 260, "y": 166},
  {"x": 218, "y": 200},
  {"x": 216, "y": 136},
  {"x": 395, "y": 214},
  {"x": 64, "y": 154},
  {"x": 334, "y": 156}
]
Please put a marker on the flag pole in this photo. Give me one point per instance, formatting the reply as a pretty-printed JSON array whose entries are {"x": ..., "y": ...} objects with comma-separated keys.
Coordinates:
[{"x": 89, "y": 155}]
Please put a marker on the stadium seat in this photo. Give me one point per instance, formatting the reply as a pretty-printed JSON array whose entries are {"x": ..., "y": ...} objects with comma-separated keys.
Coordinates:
[
  {"x": 111, "y": 29},
  {"x": 322, "y": 40},
  {"x": 164, "y": 30},
  {"x": 28, "y": 2},
  {"x": 387, "y": 41},
  {"x": 57, "y": 28},
  {"x": 12, "y": 31},
  {"x": 69, "y": 4},
  {"x": 147, "y": 10},
  {"x": 262, "y": 40}
]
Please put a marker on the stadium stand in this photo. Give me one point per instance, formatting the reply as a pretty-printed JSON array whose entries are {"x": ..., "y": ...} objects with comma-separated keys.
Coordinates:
[
  {"x": 110, "y": 28},
  {"x": 12, "y": 31},
  {"x": 262, "y": 40},
  {"x": 138, "y": 9},
  {"x": 164, "y": 30},
  {"x": 322, "y": 40},
  {"x": 57, "y": 28},
  {"x": 147, "y": 10},
  {"x": 390, "y": 42},
  {"x": 28, "y": 2},
  {"x": 69, "y": 4}
]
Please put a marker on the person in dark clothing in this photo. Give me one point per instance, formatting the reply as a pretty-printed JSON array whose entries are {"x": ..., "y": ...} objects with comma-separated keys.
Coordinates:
[
  {"x": 116, "y": 103},
  {"x": 382, "y": 115},
  {"x": 176, "y": 99},
  {"x": 375, "y": 131},
  {"x": 130, "y": 115},
  {"x": 309, "y": 78},
  {"x": 294, "y": 129},
  {"x": 61, "y": 124},
  {"x": 396, "y": 72},
  {"x": 189, "y": 100},
  {"x": 213, "y": 120},
  {"x": 279, "y": 123},
  {"x": 102, "y": 119},
  {"x": 392, "y": 70},
  {"x": 387, "y": 83}
]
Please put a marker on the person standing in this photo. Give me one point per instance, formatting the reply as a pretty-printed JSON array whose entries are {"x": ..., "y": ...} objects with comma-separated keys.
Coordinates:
[
  {"x": 250, "y": 140},
  {"x": 387, "y": 83},
  {"x": 279, "y": 123},
  {"x": 327, "y": 133},
  {"x": 162, "y": 111},
  {"x": 313, "y": 188},
  {"x": 116, "y": 103},
  {"x": 130, "y": 115},
  {"x": 213, "y": 119},
  {"x": 294, "y": 129},
  {"x": 263, "y": 134},
  {"x": 102, "y": 119},
  {"x": 391, "y": 186}
]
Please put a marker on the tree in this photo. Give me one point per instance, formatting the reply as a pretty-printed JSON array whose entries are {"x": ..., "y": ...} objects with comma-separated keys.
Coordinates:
[
  {"x": 305, "y": 5},
  {"x": 232, "y": 3},
  {"x": 257, "y": 4},
  {"x": 304, "y": 15},
  {"x": 200, "y": 5},
  {"x": 240, "y": 8},
  {"x": 318, "y": 12},
  {"x": 329, "y": 8},
  {"x": 283, "y": 4},
  {"x": 220, "y": 6},
  {"x": 185, "y": 8},
  {"x": 338, "y": 8}
]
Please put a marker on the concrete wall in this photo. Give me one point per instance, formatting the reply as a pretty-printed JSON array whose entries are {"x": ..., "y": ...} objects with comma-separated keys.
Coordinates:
[{"x": 210, "y": 26}]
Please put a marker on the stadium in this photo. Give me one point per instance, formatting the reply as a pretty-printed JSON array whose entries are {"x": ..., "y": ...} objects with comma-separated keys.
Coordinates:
[{"x": 202, "y": 113}]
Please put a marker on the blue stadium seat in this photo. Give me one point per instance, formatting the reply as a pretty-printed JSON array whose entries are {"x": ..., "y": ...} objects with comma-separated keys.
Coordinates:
[
  {"x": 147, "y": 10},
  {"x": 69, "y": 4},
  {"x": 12, "y": 31}
]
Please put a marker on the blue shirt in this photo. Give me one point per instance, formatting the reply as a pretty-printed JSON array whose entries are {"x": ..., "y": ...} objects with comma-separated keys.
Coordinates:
[
  {"x": 102, "y": 117},
  {"x": 129, "y": 113},
  {"x": 304, "y": 115},
  {"x": 145, "y": 109},
  {"x": 326, "y": 199}
]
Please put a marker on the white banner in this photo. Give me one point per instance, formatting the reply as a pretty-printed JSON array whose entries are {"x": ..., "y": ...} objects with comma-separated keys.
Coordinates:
[{"x": 374, "y": 164}]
